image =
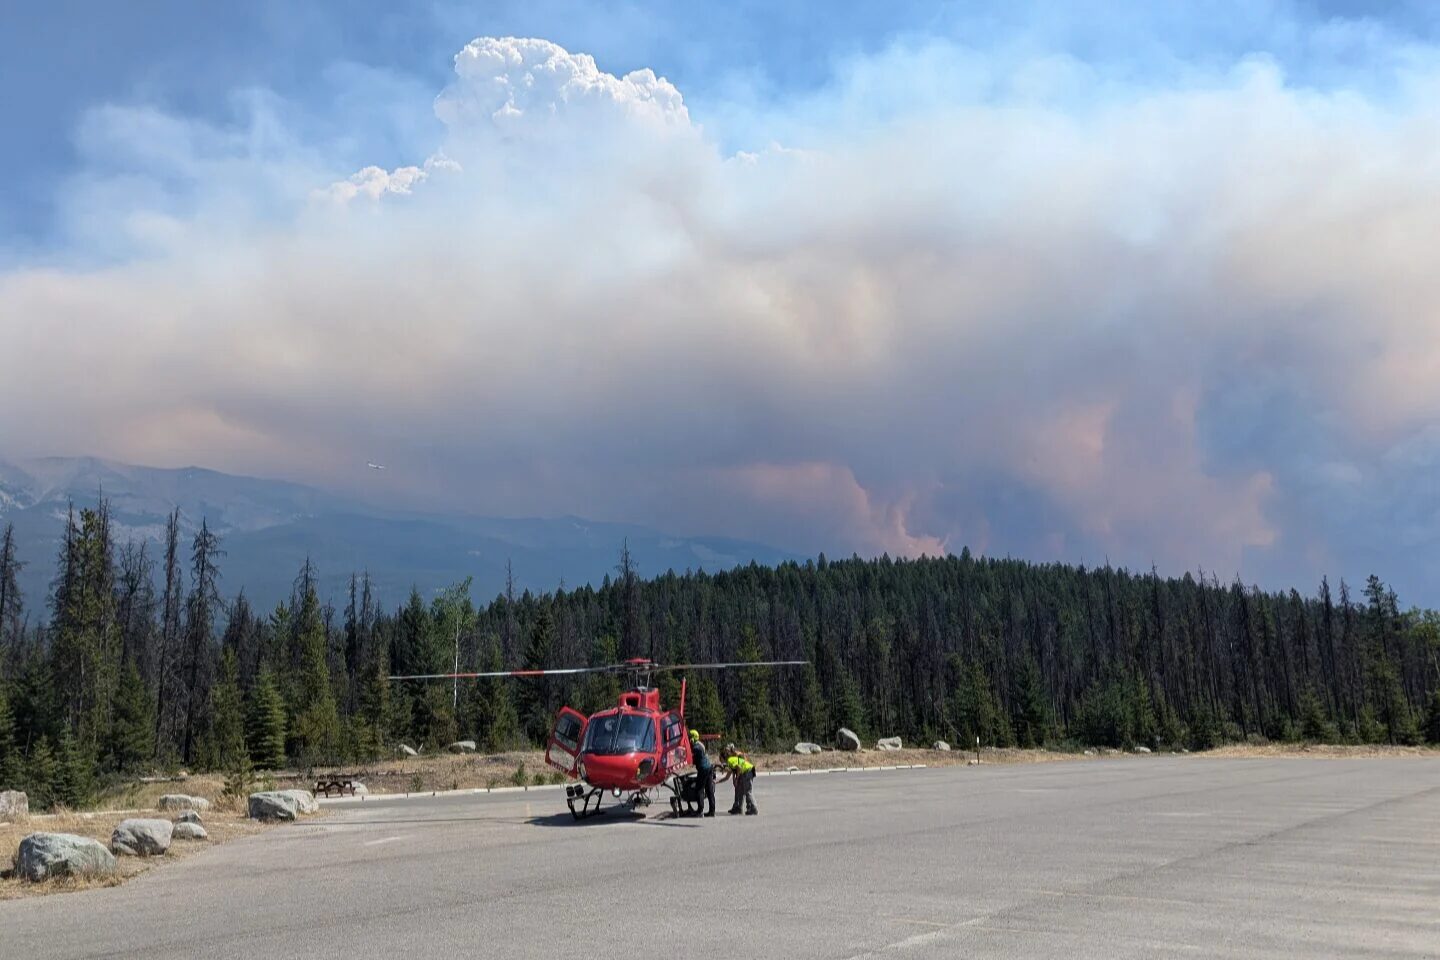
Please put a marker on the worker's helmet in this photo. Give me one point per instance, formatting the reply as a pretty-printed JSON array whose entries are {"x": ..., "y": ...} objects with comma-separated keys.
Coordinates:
[
  {"x": 730, "y": 748},
  {"x": 695, "y": 735}
]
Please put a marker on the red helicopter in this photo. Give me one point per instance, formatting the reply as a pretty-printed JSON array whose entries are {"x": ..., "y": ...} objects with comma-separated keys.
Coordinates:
[{"x": 635, "y": 747}]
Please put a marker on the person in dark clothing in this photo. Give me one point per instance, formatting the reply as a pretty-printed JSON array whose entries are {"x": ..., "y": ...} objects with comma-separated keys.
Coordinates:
[{"x": 704, "y": 770}]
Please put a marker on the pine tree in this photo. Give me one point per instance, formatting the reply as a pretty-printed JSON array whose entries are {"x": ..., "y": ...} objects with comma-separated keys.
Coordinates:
[
  {"x": 535, "y": 699},
  {"x": 703, "y": 708},
  {"x": 74, "y": 779},
  {"x": 1315, "y": 727},
  {"x": 814, "y": 714},
  {"x": 228, "y": 724},
  {"x": 754, "y": 717},
  {"x": 41, "y": 773},
  {"x": 316, "y": 721},
  {"x": 498, "y": 721},
  {"x": 132, "y": 737},
  {"x": 1432, "y": 718},
  {"x": 265, "y": 726},
  {"x": 374, "y": 712},
  {"x": 1032, "y": 710},
  {"x": 10, "y": 761},
  {"x": 200, "y": 610},
  {"x": 11, "y": 603}
]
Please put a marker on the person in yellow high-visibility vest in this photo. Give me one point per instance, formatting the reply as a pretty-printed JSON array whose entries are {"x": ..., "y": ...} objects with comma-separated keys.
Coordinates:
[{"x": 742, "y": 771}]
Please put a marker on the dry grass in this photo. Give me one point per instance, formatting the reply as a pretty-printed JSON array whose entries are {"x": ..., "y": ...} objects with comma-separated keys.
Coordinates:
[
  {"x": 1318, "y": 751},
  {"x": 225, "y": 820},
  {"x": 438, "y": 772}
]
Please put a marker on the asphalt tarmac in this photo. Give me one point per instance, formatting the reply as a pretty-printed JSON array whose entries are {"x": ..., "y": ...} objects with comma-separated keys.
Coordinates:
[{"x": 1114, "y": 858}]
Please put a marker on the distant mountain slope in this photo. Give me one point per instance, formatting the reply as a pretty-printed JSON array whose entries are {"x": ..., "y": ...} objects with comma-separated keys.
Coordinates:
[{"x": 269, "y": 527}]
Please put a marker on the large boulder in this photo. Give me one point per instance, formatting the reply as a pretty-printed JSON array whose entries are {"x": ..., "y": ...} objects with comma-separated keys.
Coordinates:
[
  {"x": 172, "y": 802},
  {"x": 141, "y": 838},
  {"x": 185, "y": 830},
  {"x": 43, "y": 855},
  {"x": 941, "y": 745},
  {"x": 360, "y": 790},
  {"x": 271, "y": 805},
  {"x": 888, "y": 743},
  {"x": 845, "y": 739},
  {"x": 462, "y": 746},
  {"x": 809, "y": 748},
  {"x": 304, "y": 800},
  {"x": 1142, "y": 749},
  {"x": 14, "y": 806},
  {"x": 189, "y": 816},
  {"x": 407, "y": 751}
]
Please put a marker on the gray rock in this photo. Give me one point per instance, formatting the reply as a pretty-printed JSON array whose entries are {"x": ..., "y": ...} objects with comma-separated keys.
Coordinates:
[
  {"x": 186, "y": 830},
  {"x": 179, "y": 801},
  {"x": 304, "y": 800},
  {"x": 941, "y": 745},
  {"x": 189, "y": 816},
  {"x": 360, "y": 789},
  {"x": 271, "y": 805},
  {"x": 888, "y": 743},
  {"x": 462, "y": 746},
  {"x": 845, "y": 739},
  {"x": 141, "y": 838},
  {"x": 1142, "y": 749},
  {"x": 809, "y": 748},
  {"x": 45, "y": 855},
  {"x": 407, "y": 751},
  {"x": 1089, "y": 753},
  {"x": 14, "y": 806}
]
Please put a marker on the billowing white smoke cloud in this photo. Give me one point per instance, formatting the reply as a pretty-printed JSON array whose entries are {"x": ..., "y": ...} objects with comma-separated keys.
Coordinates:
[{"x": 1188, "y": 326}]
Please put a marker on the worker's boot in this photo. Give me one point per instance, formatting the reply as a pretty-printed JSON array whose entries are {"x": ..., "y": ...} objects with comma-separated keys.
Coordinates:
[
  {"x": 751, "y": 812},
  {"x": 734, "y": 810}
]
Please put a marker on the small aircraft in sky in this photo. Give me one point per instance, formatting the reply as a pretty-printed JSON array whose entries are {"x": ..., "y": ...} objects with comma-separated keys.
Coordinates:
[
  {"x": 636, "y": 747},
  {"x": 375, "y": 466}
]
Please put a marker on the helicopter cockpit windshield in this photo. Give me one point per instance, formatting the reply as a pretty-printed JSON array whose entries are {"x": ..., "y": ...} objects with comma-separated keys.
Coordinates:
[{"x": 620, "y": 733}]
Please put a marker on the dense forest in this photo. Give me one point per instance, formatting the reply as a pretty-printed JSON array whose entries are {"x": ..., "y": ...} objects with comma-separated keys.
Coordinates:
[{"x": 146, "y": 660}]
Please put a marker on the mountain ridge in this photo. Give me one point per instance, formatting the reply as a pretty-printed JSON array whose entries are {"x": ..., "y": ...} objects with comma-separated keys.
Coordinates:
[{"x": 270, "y": 527}]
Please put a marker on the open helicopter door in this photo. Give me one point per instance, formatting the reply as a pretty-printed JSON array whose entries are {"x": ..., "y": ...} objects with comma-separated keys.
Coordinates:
[{"x": 563, "y": 750}]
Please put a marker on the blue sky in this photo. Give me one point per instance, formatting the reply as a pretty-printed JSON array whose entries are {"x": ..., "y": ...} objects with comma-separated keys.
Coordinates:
[
  {"x": 1066, "y": 281},
  {"x": 60, "y": 59}
]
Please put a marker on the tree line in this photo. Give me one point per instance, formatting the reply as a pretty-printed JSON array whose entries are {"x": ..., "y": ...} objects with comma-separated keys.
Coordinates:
[{"x": 144, "y": 661}]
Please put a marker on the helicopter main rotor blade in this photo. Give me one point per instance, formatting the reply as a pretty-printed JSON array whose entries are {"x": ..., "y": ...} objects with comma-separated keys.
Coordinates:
[
  {"x": 728, "y": 666},
  {"x": 503, "y": 673}
]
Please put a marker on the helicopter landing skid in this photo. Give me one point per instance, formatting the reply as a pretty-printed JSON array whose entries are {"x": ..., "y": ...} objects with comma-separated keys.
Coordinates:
[{"x": 589, "y": 801}]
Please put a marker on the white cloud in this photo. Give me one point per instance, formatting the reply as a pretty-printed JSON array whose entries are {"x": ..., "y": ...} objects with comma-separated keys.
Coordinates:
[
  {"x": 515, "y": 83},
  {"x": 1015, "y": 323}
]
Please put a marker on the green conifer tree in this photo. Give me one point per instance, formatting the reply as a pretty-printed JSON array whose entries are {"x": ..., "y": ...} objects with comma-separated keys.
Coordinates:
[
  {"x": 703, "y": 710},
  {"x": 132, "y": 737},
  {"x": 11, "y": 766},
  {"x": 74, "y": 774},
  {"x": 754, "y": 716},
  {"x": 534, "y": 696},
  {"x": 316, "y": 722},
  {"x": 1432, "y": 718},
  {"x": 227, "y": 734},
  {"x": 41, "y": 773},
  {"x": 265, "y": 729}
]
